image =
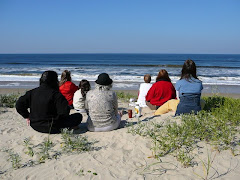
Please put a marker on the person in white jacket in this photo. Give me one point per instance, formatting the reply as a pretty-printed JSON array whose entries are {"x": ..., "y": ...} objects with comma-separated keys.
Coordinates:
[
  {"x": 80, "y": 96},
  {"x": 143, "y": 90}
]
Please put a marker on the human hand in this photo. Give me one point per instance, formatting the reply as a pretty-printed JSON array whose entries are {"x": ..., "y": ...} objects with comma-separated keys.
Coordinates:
[
  {"x": 28, "y": 121},
  {"x": 120, "y": 113}
]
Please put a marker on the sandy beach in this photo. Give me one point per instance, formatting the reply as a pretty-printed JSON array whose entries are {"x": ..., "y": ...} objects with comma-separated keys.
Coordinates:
[
  {"x": 116, "y": 155},
  {"x": 223, "y": 92}
]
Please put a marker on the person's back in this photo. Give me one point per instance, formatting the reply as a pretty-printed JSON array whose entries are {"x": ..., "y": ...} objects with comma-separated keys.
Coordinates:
[
  {"x": 67, "y": 87},
  {"x": 191, "y": 86},
  {"x": 102, "y": 107},
  {"x": 189, "y": 89},
  {"x": 80, "y": 96},
  {"x": 49, "y": 111},
  {"x": 161, "y": 91},
  {"x": 48, "y": 108},
  {"x": 143, "y": 90}
]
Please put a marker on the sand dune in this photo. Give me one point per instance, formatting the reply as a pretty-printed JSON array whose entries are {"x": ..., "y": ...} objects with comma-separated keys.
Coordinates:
[{"x": 117, "y": 154}]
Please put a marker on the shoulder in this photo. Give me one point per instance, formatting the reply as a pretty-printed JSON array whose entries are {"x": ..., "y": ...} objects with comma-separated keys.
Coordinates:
[
  {"x": 78, "y": 93},
  {"x": 147, "y": 84},
  {"x": 28, "y": 93},
  {"x": 57, "y": 94},
  {"x": 181, "y": 81},
  {"x": 109, "y": 94},
  {"x": 89, "y": 93},
  {"x": 67, "y": 83},
  {"x": 197, "y": 80},
  {"x": 143, "y": 85}
]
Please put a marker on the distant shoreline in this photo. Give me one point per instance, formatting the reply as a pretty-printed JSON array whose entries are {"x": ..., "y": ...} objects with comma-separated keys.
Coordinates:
[{"x": 209, "y": 90}]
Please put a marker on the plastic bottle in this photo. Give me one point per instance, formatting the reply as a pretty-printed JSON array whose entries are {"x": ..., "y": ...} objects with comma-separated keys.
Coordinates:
[{"x": 137, "y": 111}]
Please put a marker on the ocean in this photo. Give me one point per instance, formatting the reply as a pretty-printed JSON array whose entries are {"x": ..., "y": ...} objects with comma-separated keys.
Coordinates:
[{"x": 126, "y": 70}]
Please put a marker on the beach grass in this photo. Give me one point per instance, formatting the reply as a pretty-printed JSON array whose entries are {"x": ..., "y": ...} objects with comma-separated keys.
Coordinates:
[
  {"x": 74, "y": 143},
  {"x": 217, "y": 124},
  {"x": 125, "y": 96},
  {"x": 46, "y": 150},
  {"x": 8, "y": 100}
]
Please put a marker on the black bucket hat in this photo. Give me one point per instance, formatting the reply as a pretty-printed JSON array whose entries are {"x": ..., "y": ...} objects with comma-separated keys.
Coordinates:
[{"x": 104, "y": 79}]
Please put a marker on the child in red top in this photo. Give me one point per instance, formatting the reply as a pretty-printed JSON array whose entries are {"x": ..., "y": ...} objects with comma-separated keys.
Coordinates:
[
  {"x": 67, "y": 87},
  {"x": 161, "y": 91}
]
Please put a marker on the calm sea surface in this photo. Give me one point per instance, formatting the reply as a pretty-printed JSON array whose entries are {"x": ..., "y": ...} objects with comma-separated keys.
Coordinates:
[{"x": 125, "y": 69}]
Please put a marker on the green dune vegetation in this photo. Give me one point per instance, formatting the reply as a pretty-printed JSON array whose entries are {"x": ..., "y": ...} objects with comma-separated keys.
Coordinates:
[
  {"x": 217, "y": 124},
  {"x": 8, "y": 100}
]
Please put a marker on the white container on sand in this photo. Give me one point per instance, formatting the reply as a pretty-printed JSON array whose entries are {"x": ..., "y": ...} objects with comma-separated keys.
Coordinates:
[{"x": 137, "y": 111}]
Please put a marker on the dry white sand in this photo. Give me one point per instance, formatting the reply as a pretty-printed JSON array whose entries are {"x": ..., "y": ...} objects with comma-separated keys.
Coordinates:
[{"x": 120, "y": 155}]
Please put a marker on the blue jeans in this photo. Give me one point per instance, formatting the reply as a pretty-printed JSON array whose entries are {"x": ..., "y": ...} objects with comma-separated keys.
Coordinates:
[{"x": 189, "y": 103}]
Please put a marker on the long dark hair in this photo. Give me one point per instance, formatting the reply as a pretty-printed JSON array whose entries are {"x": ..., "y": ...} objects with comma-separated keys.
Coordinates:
[
  {"x": 66, "y": 76},
  {"x": 85, "y": 86},
  {"x": 163, "y": 75},
  {"x": 50, "y": 78},
  {"x": 189, "y": 70}
]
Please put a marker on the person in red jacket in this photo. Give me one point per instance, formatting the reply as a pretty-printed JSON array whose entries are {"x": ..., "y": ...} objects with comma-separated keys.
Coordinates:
[
  {"x": 161, "y": 91},
  {"x": 67, "y": 87}
]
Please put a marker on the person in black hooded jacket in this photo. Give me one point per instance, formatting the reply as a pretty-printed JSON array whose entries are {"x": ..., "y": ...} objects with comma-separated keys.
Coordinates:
[{"x": 49, "y": 111}]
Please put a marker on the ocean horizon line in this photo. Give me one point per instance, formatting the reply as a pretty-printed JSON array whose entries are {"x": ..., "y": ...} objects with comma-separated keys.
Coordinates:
[{"x": 89, "y": 53}]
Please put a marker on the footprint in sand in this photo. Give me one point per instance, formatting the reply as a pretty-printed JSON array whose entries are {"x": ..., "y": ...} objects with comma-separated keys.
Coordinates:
[{"x": 7, "y": 131}]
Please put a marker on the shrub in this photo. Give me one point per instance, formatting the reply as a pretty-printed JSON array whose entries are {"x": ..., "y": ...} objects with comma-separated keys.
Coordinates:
[
  {"x": 125, "y": 96},
  {"x": 8, "y": 100},
  {"x": 218, "y": 125}
]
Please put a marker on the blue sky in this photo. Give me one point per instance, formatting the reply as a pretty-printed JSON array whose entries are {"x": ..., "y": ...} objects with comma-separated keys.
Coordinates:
[{"x": 120, "y": 26}]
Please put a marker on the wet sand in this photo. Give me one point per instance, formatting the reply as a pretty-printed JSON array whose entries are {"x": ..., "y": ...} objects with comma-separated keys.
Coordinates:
[{"x": 133, "y": 92}]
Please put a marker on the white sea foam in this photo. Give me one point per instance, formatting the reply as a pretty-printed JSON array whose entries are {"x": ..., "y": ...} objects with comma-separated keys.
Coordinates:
[
  {"x": 18, "y": 78},
  {"x": 128, "y": 79}
]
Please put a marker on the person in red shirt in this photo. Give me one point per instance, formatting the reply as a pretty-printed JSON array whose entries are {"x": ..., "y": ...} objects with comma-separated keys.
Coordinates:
[
  {"x": 67, "y": 87},
  {"x": 161, "y": 91}
]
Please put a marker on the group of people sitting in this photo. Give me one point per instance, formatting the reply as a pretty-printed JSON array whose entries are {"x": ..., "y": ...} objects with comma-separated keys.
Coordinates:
[
  {"x": 163, "y": 97},
  {"x": 47, "y": 107}
]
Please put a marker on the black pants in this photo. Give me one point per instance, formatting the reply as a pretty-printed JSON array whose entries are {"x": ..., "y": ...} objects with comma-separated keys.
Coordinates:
[
  {"x": 55, "y": 127},
  {"x": 73, "y": 120}
]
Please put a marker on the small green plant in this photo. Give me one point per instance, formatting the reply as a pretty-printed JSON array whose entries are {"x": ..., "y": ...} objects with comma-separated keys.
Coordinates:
[
  {"x": 218, "y": 125},
  {"x": 28, "y": 147},
  {"x": 74, "y": 143},
  {"x": 184, "y": 158},
  {"x": 15, "y": 159},
  {"x": 43, "y": 151},
  {"x": 8, "y": 100},
  {"x": 206, "y": 166},
  {"x": 81, "y": 172},
  {"x": 45, "y": 146}
]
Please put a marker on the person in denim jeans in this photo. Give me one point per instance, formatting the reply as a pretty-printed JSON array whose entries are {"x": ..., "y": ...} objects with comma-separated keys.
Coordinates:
[{"x": 188, "y": 89}]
